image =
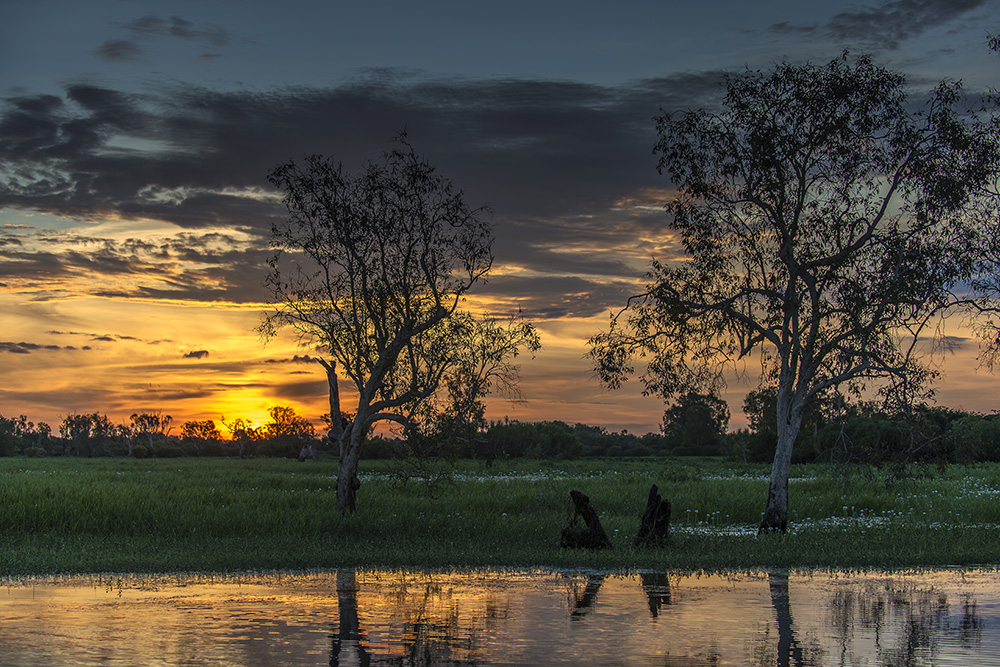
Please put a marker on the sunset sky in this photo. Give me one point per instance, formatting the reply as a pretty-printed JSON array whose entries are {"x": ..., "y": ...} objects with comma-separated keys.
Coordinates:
[{"x": 135, "y": 140}]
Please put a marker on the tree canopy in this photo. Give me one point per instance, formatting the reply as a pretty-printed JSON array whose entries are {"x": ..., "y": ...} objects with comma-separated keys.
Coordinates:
[
  {"x": 372, "y": 268},
  {"x": 827, "y": 224}
]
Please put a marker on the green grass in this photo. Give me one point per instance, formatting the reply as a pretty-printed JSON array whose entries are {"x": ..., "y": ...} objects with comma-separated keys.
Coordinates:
[{"x": 63, "y": 515}]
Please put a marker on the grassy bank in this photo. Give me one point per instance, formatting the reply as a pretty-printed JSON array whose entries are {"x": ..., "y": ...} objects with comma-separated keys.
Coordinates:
[{"x": 76, "y": 515}]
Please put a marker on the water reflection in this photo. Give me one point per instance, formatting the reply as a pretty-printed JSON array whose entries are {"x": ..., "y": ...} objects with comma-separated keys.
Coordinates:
[{"x": 501, "y": 617}]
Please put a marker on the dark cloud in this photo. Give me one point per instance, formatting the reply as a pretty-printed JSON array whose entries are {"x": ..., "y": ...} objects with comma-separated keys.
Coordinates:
[
  {"x": 196, "y": 354},
  {"x": 786, "y": 28},
  {"x": 305, "y": 390},
  {"x": 296, "y": 359},
  {"x": 554, "y": 159},
  {"x": 176, "y": 26},
  {"x": 119, "y": 51},
  {"x": 522, "y": 145},
  {"x": 885, "y": 25},
  {"x": 97, "y": 336},
  {"x": 27, "y": 348}
]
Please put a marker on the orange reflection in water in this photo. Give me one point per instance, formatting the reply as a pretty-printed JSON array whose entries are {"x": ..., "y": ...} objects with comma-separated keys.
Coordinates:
[{"x": 488, "y": 617}]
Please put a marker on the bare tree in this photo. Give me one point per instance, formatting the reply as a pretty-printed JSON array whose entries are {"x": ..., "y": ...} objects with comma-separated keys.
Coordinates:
[
  {"x": 826, "y": 225},
  {"x": 371, "y": 268}
]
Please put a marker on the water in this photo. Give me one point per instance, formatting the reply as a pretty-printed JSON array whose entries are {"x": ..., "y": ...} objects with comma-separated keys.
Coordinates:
[{"x": 503, "y": 617}]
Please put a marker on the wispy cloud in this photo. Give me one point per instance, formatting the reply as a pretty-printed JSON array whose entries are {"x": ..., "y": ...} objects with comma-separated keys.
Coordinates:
[
  {"x": 176, "y": 26},
  {"x": 885, "y": 25},
  {"x": 28, "y": 348},
  {"x": 155, "y": 27},
  {"x": 119, "y": 51}
]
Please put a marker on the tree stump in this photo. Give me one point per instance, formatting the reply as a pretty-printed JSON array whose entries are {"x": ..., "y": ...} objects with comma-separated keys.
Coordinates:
[
  {"x": 654, "y": 528},
  {"x": 592, "y": 535}
]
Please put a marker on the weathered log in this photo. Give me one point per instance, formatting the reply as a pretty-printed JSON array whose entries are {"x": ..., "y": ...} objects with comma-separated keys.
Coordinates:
[
  {"x": 592, "y": 535},
  {"x": 654, "y": 527}
]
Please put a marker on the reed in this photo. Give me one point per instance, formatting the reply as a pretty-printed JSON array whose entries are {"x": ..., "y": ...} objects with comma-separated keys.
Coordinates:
[{"x": 64, "y": 515}]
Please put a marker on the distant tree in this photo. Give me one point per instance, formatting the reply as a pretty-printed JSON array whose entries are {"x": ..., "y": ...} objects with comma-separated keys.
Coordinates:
[
  {"x": 199, "y": 433},
  {"x": 19, "y": 434},
  {"x": 288, "y": 431},
  {"x": 10, "y": 442},
  {"x": 284, "y": 422},
  {"x": 696, "y": 423},
  {"x": 826, "y": 226},
  {"x": 150, "y": 426},
  {"x": 87, "y": 433},
  {"x": 378, "y": 264},
  {"x": 243, "y": 434},
  {"x": 200, "y": 430}
]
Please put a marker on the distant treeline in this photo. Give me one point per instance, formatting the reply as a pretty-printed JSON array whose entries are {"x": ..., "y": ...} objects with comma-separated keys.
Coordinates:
[{"x": 696, "y": 426}]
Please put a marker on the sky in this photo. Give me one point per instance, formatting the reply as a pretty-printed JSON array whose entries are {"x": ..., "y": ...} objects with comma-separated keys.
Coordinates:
[{"x": 136, "y": 137}]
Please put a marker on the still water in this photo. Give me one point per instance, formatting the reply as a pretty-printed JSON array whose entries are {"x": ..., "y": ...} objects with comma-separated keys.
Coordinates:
[{"x": 504, "y": 617}]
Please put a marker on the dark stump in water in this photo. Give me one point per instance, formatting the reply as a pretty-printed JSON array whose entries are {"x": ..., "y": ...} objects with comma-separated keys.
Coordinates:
[
  {"x": 591, "y": 535},
  {"x": 654, "y": 529}
]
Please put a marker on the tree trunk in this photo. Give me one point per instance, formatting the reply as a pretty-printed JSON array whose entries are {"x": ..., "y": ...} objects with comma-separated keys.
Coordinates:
[
  {"x": 592, "y": 536},
  {"x": 347, "y": 470},
  {"x": 776, "y": 511},
  {"x": 336, "y": 428},
  {"x": 654, "y": 527}
]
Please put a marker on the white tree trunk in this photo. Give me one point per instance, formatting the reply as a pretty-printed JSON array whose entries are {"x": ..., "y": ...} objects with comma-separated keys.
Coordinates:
[
  {"x": 789, "y": 422},
  {"x": 350, "y": 454},
  {"x": 347, "y": 474}
]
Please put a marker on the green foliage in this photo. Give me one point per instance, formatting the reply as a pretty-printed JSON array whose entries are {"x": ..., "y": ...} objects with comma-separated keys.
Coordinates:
[
  {"x": 87, "y": 434},
  {"x": 696, "y": 424},
  {"x": 204, "y": 430},
  {"x": 975, "y": 438},
  {"x": 17, "y": 434},
  {"x": 9, "y": 442},
  {"x": 168, "y": 451},
  {"x": 861, "y": 433}
]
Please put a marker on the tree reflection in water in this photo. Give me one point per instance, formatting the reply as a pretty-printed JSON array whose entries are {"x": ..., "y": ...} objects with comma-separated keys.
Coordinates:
[
  {"x": 411, "y": 619},
  {"x": 789, "y": 650},
  {"x": 923, "y": 614},
  {"x": 584, "y": 602},
  {"x": 657, "y": 589},
  {"x": 418, "y": 620},
  {"x": 347, "y": 646}
]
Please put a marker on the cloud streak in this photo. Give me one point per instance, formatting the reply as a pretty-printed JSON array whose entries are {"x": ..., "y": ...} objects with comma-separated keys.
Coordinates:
[
  {"x": 886, "y": 25},
  {"x": 554, "y": 158},
  {"x": 155, "y": 27}
]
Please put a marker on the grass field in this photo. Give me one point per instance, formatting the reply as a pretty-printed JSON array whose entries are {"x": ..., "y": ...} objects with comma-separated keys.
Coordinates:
[{"x": 63, "y": 515}]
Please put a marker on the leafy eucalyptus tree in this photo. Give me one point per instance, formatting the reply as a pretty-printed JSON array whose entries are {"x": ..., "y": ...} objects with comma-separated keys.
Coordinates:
[
  {"x": 827, "y": 223},
  {"x": 372, "y": 268}
]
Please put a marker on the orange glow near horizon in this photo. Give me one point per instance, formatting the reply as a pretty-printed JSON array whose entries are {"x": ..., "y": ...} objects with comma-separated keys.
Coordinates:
[{"x": 67, "y": 347}]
